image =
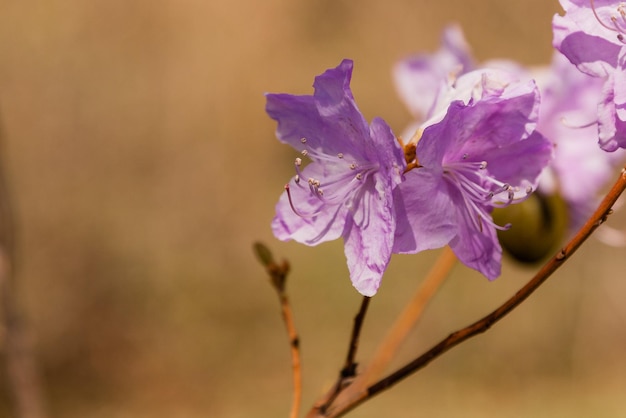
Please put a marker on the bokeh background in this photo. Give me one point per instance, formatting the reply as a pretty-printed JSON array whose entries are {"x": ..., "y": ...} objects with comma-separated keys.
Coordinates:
[{"x": 142, "y": 168}]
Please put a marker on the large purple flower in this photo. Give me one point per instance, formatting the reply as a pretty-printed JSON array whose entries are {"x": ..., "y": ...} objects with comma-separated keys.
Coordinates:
[
  {"x": 346, "y": 191},
  {"x": 483, "y": 153},
  {"x": 568, "y": 117},
  {"x": 592, "y": 35}
]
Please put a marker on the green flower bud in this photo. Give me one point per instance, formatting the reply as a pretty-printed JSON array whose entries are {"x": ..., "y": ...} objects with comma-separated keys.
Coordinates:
[{"x": 538, "y": 227}]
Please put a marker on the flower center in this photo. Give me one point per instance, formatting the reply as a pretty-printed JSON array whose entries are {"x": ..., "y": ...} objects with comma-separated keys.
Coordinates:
[
  {"x": 342, "y": 178},
  {"x": 617, "y": 20},
  {"x": 481, "y": 191}
]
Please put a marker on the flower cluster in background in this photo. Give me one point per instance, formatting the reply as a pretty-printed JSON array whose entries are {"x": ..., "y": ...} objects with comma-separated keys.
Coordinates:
[{"x": 484, "y": 136}]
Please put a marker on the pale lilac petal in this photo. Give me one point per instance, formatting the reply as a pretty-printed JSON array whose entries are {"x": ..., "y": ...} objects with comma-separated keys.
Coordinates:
[
  {"x": 426, "y": 217},
  {"x": 591, "y": 35},
  {"x": 369, "y": 240},
  {"x": 346, "y": 189},
  {"x": 609, "y": 136},
  {"x": 531, "y": 156},
  {"x": 471, "y": 132},
  {"x": 422, "y": 80},
  {"x": 592, "y": 55},
  {"x": 476, "y": 248},
  {"x": 619, "y": 85},
  {"x": 385, "y": 148},
  {"x": 315, "y": 222},
  {"x": 329, "y": 120}
]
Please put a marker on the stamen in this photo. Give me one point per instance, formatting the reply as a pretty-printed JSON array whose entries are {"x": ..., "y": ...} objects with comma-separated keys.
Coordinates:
[
  {"x": 615, "y": 25},
  {"x": 341, "y": 184},
  {"x": 565, "y": 122},
  {"x": 481, "y": 191},
  {"x": 293, "y": 208}
]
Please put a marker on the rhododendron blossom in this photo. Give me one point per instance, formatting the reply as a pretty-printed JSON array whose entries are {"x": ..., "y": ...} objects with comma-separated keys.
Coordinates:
[
  {"x": 346, "y": 191},
  {"x": 592, "y": 35},
  {"x": 483, "y": 153}
]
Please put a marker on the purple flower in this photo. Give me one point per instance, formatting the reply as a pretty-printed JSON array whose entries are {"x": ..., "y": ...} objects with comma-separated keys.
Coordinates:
[
  {"x": 483, "y": 153},
  {"x": 422, "y": 81},
  {"x": 346, "y": 191},
  {"x": 567, "y": 116},
  {"x": 592, "y": 35}
]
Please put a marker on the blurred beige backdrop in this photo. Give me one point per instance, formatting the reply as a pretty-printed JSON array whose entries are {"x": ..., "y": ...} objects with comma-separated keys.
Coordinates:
[{"x": 143, "y": 166}]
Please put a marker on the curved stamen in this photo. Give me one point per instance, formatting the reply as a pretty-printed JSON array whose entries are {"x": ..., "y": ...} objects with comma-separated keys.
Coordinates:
[
  {"x": 293, "y": 208},
  {"x": 593, "y": 9},
  {"x": 565, "y": 123},
  {"x": 338, "y": 186},
  {"x": 481, "y": 191},
  {"x": 615, "y": 26}
]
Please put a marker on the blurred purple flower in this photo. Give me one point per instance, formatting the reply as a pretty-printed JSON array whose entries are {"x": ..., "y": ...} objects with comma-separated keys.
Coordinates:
[
  {"x": 346, "y": 191},
  {"x": 592, "y": 36},
  {"x": 567, "y": 116},
  {"x": 423, "y": 80},
  {"x": 483, "y": 153}
]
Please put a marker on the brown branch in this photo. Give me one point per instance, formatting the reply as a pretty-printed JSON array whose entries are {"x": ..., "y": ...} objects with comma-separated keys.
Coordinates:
[
  {"x": 294, "y": 343},
  {"x": 347, "y": 373},
  {"x": 404, "y": 323},
  {"x": 408, "y": 318},
  {"x": 349, "y": 369},
  {"x": 278, "y": 277},
  {"x": 482, "y": 325}
]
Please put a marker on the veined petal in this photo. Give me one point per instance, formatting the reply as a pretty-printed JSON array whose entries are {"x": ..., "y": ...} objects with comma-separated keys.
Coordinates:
[
  {"x": 385, "y": 148},
  {"x": 521, "y": 161},
  {"x": 592, "y": 54},
  {"x": 315, "y": 221},
  {"x": 607, "y": 118},
  {"x": 476, "y": 248},
  {"x": 619, "y": 86},
  {"x": 425, "y": 213},
  {"x": 329, "y": 119},
  {"x": 368, "y": 249},
  {"x": 346, "y": 191}
]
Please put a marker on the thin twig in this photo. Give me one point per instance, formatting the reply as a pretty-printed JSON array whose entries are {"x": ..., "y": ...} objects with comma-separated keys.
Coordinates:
[
  {"x": 278, "y": 277},
  {"x": 409, "y": 317},
  {"x": 294, "y": 343},
  {"x": 348, "y": 371},
  {"x": 400, "y": 329},
  {"x": 482, "y": 325}
]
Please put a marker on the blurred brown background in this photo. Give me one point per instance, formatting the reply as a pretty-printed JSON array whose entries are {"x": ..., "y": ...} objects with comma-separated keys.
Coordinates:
[{"x": 142, "y": 167}]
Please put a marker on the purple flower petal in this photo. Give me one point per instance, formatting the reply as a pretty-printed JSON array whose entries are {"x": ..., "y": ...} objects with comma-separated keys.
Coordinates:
[
  {"x": 346, "y": 190},
  {"x": 592, "y": 35}
]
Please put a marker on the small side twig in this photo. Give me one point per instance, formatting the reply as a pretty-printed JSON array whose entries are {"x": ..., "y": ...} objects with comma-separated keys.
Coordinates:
[
  {"x": 396, "y": 335},
  {"x": 278, "y": 277},
  {"x": 348, "y": 372},
  {"x": 408, "y": 318},
  {"x": 349, "y": 369},
  {"x": 485, "y": 323}
]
